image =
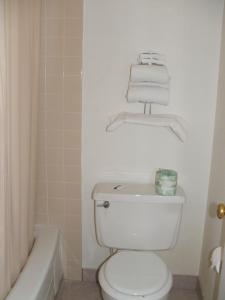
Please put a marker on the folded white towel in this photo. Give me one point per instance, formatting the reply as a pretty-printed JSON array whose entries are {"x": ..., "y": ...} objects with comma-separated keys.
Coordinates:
[
  {"x": 149, "y": 73},
  {"x": 151, "y": 57},
  {"x": 150, "y": 84},
  {"x": 148, "y": 94}
]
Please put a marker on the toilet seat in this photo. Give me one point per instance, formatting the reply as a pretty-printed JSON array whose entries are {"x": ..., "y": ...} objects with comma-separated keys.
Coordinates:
[{"x": 134, "y": 275}]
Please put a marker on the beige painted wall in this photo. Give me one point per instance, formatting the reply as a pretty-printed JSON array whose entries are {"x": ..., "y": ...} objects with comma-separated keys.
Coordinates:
[
  {"x": 59, "y": 149},
  {"x": 213, "y": 226},
  {"x": 189, "y": 34}
]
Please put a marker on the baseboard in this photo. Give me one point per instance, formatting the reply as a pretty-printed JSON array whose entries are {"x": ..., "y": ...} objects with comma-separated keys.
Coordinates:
[
  {"x": 199, "y": 290},
  {"x": 90, "y": 275},
  {"x": 179, "y": 281}
]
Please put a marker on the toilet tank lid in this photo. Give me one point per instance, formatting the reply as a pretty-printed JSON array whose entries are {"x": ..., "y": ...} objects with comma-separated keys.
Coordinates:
[{"x": 132, "y": 192}]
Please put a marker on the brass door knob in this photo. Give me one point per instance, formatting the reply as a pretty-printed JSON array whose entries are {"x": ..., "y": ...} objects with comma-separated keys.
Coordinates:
[{"x": 221, "y": 210}]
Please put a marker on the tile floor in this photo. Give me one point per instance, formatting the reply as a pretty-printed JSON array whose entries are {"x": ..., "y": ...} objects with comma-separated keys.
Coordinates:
[{"x": 90, "y": 291}]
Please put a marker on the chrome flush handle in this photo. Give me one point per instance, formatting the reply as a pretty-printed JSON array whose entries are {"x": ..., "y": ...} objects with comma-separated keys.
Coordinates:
[{"x": 105, "y": 204}]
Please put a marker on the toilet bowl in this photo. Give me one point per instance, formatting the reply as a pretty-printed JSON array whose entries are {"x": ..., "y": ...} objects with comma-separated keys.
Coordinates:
[{"x": 135, "y": 275}]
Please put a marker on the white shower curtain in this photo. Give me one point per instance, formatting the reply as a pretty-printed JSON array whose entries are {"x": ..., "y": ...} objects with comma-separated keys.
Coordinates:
[{"x": 19, "y": 85}]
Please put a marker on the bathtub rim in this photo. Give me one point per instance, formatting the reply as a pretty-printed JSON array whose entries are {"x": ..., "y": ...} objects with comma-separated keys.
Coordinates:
[{"x": 35, "y": 273}]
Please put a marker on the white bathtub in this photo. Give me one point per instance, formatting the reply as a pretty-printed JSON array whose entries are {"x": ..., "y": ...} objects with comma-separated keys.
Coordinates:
[{"x": 42, "y": 273}]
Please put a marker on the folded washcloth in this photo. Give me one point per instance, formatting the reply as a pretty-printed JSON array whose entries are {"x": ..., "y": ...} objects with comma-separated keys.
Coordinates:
[
  {"x": 151, "y": 57},
  {"x": 149, "y": 73},
  {"x": 148, "y": 94}
]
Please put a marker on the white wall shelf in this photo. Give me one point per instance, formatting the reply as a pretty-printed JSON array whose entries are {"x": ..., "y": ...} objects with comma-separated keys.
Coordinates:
[{"x": 173, "y": 122}]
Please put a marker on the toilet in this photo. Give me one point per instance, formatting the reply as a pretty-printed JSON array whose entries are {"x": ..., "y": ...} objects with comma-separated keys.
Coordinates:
[{"x": 133, "y": 221}]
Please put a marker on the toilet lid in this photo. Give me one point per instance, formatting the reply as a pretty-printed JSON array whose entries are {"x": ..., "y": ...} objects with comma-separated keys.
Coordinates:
[{"x": 136, "y": 273}]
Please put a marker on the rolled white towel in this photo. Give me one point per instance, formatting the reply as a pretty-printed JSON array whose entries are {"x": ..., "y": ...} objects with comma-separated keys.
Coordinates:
[
  {"x": 149, "y": 73},
  {"x": 148, "y": 94}
]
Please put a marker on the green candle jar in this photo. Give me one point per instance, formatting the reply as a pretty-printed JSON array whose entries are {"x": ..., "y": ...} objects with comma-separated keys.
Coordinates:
[{"x": 166, "y": 182}]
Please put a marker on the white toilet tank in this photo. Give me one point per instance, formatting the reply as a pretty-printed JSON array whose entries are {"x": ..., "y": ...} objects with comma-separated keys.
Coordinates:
[{"x": 133, "y": 216}]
